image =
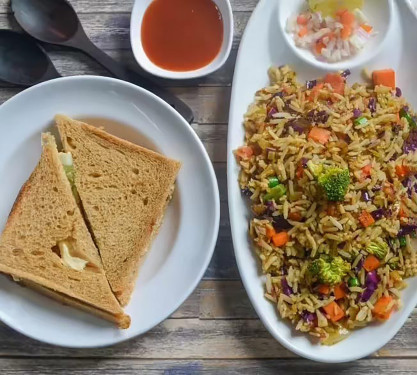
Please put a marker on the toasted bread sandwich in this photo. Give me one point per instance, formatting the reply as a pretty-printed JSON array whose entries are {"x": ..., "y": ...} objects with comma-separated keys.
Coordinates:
[
  {"x": 124, "y": 190},
  {"x": 46, "y": 244}
]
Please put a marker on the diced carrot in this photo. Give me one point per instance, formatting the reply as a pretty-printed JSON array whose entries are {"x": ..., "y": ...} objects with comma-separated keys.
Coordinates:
[
  {"x": 331, "y": 209},
  {"x": 346, "y": 32},
  {"x": 303, "y": 31},
  {"x": 295, "y": 216},
  {"x": 340, "y": 291},
  {"x": 315, "y": 92},
  {"x": 270, "y": 232},
  {"x": 319, "y": 135},
  {"x": 244, "y": 152},
  {"x": 402, "y": 170},
  {"x": 371, "y": 263},
  {"x": 347, "y": 18},
  {"x": 323, "y": 289},
  {"x": 389, "y": 191},
  {"x": 280, "y": 239},
  {"x": 336, "y": 81},
  {"x": 402, "y": 214},
  {"x": 366, "y": 170},
  {"x": 300, "y": 171},
  {"x": 319, "y": 46},
  {"x": 384, "y": 77},
  {"x": 334, "y": 311},
  {"x": 302, "y": 19},
  {"x": 367, "y": 28},
  {"x": 381, "y": 310},
  {"x": 341, "y": 11},
  {"x": 366, "y": 219}
]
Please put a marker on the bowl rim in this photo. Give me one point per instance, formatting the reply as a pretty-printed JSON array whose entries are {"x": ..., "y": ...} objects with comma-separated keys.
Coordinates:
[{"x": 151, "y": 68}]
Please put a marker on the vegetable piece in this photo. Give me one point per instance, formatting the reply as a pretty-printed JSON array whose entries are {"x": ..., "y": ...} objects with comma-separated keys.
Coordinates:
[
  {"x": 381, "y": 308},
  {"x": 334, "y": 182},
  {"x": 310, "y": 84},
  {"x": 303, "y": 31},
  {"x": 379, "y": 249},
  {"x": 378, "y": 214},
  {"x": 315, "y": 92},
  {"x": 331, "y": 209},
  {"x": 286, "y": 289},
  {"x": 353, "y": 281},
  {"x": 372, "y": 279},
  {"x": 280, "y": 224},
  {"x": 360, "y": 121},
  {"x": 402, "y": 171},
  {"x": 365, "y": 196},
  {"x": 280, "y": 239},
  {"x": 319, "y": 135},
  {"x": 347, "y": 18},
  {"x": 356, "y": 113},
  {"x": 366, "y": 170},
  {"x": 407, "y": 230},
  {"x": 334, "y": 311},
  {"x": 346, "y": 32},
  {"x": 308, "y": 317},
  {"x": 336, "y": 81},
  {"x": 371, "y": 263},
  {"x": 270, "y": 232},
  {"x": 329, "y": 270},
  {"x": 315, "y": 169},
  {"x": 368, "y": 292},
  {"x": 403, "y": 241},
  {"x": 302, "y": 19},
  {"x": 340, "y": 291},
  {"x": 294, "y": 216},
  {"x": 244, "y": 152},
  {"x": 372, "y": 105},
  {"x": 275, "y": 193},
  {"x": 384, "y": 77},
  {"x": 411, "y": 122},
  {"x": 273, "y": 181},
  {"x": 366, "y": 219},
  {"x": 300, "y": 171},
  {"x": 367, "y": 28},
  {"x": 324, "y": 289},
  {"x": 398, "y": 92},
  {"x": 319, "y": 46}
]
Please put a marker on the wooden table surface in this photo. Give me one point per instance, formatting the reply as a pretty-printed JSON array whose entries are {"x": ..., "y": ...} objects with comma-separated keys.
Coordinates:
[{"x": 216, "y": 330}]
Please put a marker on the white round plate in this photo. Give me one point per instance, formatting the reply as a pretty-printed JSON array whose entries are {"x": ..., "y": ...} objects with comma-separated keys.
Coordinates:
[
  {"x": 180, "y": 254},
  {"x": 400, "y": 54}
]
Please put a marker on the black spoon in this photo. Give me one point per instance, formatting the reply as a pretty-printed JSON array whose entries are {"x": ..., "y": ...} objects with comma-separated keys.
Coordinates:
[
  {"x": 22, "y": 61},
  {"x": 55, "y": 21}
]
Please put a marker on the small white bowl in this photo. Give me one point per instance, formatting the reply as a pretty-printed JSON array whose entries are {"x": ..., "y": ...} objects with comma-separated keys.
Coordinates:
[
  {"x": 379, "y": 13},
  {"x": 138, "y": 12}
]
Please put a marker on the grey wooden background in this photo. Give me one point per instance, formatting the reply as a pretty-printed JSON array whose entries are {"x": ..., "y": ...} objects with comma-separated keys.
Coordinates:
[{"x": 216, "y": 330}]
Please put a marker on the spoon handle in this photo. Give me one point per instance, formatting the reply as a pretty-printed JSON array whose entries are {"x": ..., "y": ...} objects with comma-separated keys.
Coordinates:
[{"x": 126, "y": 74}]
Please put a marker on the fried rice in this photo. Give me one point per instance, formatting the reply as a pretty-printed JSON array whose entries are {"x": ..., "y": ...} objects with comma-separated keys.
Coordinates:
[{"x": 331, "y": 265}]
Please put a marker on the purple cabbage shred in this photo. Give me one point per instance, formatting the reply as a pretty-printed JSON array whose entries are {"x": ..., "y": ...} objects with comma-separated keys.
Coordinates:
[
  {"x": 357, "y": 113},
  {"x": 246, "y": 192},
  {"x": 308, "y": 317},
  {"x": 304, "y": 162},
  {"x": 272, "y": 112},
  {"x": 365, "y": 196},
  {"x": 311, "y": 84},
  {"x": 376, "y": 188},
  {"x": 345, "y": 73},
  {"x": 286, "y": 289},
  {"x": 398, "y": 92},
  {"x": 280, "y": 223},
  {"x": 372, "y": 105},
  {"x": 406, "y": 230},
  {"x": 410, "y": 144},
  {"x": 359, "y": 265},
  {"x": 378, "y": 214}
]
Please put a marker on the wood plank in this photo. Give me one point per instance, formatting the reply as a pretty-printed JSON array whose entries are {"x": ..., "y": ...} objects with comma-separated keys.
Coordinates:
[
  {"x": 195, "y": 339},
  {"x": 189, "y": 367},
  {"x": 112, "y": 30},
  {"x": 114, "y": 6}
]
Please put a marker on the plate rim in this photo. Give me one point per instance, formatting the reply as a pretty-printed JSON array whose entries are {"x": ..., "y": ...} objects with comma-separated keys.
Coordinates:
[{"x": 210, "y": 246}]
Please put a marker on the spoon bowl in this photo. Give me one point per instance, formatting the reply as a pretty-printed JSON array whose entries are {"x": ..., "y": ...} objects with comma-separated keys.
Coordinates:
[
  {"x": 379, "y": 13},
  {"x": 22, "y": 61},
  {"x": 50, "y": 21}
]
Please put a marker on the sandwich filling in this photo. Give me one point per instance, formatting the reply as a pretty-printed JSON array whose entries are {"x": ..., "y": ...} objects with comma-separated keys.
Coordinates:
[
  {"x": 68, "y": 164},
  {"x": 75, "y": 263}
]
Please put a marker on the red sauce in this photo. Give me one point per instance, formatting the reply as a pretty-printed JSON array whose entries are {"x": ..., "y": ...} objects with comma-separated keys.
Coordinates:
[{"x": 182, "y": 35}]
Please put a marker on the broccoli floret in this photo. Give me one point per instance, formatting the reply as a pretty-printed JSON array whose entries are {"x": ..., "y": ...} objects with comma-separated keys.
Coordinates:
[
  {"x": 329, "y": 270},
  {"x": 334, "y": 182},
  {"x": 379, "y": 249}
]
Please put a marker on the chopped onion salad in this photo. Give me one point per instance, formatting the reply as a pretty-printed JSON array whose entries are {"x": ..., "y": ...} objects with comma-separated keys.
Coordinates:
[{"x": 331, "y": 36}]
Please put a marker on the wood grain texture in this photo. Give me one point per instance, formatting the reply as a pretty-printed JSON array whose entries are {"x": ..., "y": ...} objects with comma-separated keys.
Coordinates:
[{"x": 198, "y": 367}]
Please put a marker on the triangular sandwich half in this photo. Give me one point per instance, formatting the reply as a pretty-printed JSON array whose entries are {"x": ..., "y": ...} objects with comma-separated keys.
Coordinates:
[
  {"x": 124, "y": 190},
  {"x": 46, "y": 244}
]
